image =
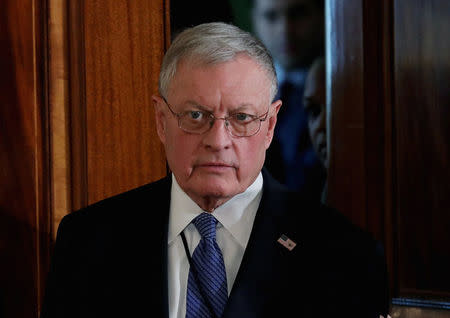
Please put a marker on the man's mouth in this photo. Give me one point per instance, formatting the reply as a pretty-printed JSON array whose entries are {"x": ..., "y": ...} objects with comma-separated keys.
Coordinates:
[{"x": 215, "y": 166}]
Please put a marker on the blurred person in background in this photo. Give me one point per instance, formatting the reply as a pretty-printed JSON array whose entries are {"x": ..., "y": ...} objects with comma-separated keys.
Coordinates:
[
  {"x": 293, "y": 31},
  {"x": 314, "y": 103}
]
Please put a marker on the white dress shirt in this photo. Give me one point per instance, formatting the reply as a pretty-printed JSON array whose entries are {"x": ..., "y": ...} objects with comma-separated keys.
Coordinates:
[{"x": 235, "y": 218}]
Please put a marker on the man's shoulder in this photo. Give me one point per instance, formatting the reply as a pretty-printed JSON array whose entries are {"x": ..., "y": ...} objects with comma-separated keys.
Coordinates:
[
  {"x": 318, "y": 220},
  {"x": 124, "y": 205},
  {"x": 321, "y": 226}
]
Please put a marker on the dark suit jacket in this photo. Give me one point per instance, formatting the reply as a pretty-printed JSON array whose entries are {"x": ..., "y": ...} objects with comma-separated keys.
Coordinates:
[{"x": 110, "y": 260}]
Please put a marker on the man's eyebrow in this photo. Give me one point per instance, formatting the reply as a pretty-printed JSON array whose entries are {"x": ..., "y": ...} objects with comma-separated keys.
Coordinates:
[
  {"x": 243, "y": 107},
  {"x": 240, "y": 108},
  {"x": 191, "y": 103}
]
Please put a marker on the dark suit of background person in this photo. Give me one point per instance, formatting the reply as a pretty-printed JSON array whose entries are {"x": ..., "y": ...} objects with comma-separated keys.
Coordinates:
[
  {"x": 111, "y": 258},
  {"x": 293, "y": 32}
]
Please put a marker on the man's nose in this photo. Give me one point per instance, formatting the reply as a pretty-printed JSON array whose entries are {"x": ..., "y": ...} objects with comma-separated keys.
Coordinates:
[{"x": 218, "y": 136}]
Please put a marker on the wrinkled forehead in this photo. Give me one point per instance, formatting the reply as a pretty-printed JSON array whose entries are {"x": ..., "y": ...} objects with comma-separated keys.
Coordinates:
[
  {"x": 246, "y": 65},
  {"x": 238, "y": 79},
  {"x": 217, "y": 59},
  {"x": 194, "y": 63}
]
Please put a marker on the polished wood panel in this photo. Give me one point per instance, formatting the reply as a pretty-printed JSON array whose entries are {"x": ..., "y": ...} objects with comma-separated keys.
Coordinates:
[
  {"x": 378, "y": 117},
  {"x": 124, "y": 43},
  {"x": 24, "y": 186},
  {"x": 48, "y": 140},
  {"x": 58, "y": 99},
  {"x": 422, "y": 114},
  {"x": 359, "y": 102},
  {"x": 345, "y": 109},
  {"x": 390, "y": 79},
  {"x": 77, "y": 105}
]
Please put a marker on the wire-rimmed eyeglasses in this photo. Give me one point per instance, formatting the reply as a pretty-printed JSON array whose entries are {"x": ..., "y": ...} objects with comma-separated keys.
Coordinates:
[{"x": 200, "y": 121}]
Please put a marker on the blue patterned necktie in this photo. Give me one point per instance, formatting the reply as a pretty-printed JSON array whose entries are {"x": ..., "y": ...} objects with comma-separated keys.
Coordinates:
[{"x": 208, "y": 277}]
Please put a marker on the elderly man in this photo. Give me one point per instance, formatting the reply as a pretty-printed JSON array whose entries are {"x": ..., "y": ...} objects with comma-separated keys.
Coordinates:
[{"x": 218, "y": 237}]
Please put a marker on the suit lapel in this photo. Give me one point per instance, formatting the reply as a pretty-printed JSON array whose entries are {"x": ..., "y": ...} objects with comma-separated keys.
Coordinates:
[{"x": 264, "y": 260}]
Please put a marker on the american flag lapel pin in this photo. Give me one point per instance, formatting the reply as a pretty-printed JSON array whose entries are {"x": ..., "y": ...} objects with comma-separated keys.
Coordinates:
[{"x": 287, "y": 242}]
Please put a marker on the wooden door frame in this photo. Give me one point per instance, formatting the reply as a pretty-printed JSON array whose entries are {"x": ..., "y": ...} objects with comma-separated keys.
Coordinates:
[{"x": 359, "y": 114}]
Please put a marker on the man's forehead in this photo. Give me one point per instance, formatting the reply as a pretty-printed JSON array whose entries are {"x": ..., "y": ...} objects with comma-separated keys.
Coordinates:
[
  {"x": 227, "y": 85},
  {"x": 245, "y": 70},
  {"x": 206, "y": 61}
]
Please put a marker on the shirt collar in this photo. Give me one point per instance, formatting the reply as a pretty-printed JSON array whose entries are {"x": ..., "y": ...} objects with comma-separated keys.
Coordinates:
[
  {"x": 236, "y": 215},
  {"x": 182, "y": 210}
]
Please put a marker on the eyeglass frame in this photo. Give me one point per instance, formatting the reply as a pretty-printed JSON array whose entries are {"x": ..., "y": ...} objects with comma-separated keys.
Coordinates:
[{"x": 214, "y": 118}]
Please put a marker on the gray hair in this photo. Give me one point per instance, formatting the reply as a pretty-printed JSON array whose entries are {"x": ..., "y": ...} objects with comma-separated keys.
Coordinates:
[{"x": 213, "y": 43}]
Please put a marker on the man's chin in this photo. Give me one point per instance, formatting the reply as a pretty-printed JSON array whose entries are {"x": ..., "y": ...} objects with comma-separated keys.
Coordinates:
[
  {"x": 216, "y": 190},
  {"x": 213, "y": 185},
  {"x": 209, "y": 198}
]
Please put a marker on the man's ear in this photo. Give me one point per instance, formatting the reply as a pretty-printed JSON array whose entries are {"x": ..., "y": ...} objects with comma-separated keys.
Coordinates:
[
  {"x": 272, "y": 120},
  {"x": 160, "y": 117}
]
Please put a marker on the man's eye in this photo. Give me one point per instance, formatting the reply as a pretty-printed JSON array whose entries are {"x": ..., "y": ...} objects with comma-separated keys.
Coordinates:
[
  {"x": 195, "y": 114},
  {"x": 242, "y": 117}
]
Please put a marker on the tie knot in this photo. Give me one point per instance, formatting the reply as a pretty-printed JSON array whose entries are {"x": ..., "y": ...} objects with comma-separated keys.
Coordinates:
[{"x": 206, "y": 225}]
